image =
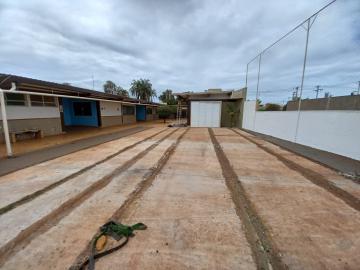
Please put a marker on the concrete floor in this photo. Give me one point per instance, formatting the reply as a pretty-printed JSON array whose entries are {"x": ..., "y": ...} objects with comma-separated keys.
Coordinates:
[
  {"x": 185, "y": 185},
  {"x": 339, "y": 163},
  {"x": 26, "y": 146}
]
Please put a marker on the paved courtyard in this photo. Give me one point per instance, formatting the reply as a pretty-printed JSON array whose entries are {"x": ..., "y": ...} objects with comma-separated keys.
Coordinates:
[{"x": 211, "y": 199}]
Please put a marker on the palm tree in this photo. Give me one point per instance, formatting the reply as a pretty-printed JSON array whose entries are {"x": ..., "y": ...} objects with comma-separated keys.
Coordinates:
[{"x": 142, "y": 89}]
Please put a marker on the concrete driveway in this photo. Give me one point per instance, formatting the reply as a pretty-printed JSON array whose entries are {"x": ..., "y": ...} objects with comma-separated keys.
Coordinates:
[{"x": 211, "y": 198}]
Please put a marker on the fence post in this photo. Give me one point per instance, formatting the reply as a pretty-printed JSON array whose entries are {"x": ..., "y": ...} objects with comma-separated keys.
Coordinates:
[
  {"x": 247, "y": 72},
  {"x": 257, "y": 89},
  {"x": 5, "y": 124},
  {"x": 302, "y": 78}
]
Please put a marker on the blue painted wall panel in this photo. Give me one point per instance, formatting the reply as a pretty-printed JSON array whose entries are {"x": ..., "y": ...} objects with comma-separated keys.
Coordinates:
[
  {"x": 140, "y": 113},
  {"x": 70, "y": 119}
]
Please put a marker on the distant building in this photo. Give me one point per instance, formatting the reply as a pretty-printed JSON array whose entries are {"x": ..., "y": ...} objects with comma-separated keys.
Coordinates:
[
  {"x": 211, "y": 107},
  {"x": 327, "y": 103},
  {"x": 69, "y": 106}
]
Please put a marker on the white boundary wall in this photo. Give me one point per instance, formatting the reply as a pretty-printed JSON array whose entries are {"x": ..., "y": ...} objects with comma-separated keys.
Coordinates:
[{"x": 333, "y": 131}]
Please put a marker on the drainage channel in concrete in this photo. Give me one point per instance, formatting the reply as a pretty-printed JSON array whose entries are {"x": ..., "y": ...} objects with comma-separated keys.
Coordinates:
[
  {"x": 191, "y": 218},
  {"x": 61, "y": 148},
  {"x": 264, "y": 250},
  {"x": 45, "y": 211},
  {"x": 210, "y": 200},
  {"x": 58, "y": 247},
  {"x": 32, "y": 184},
  {"x": 20, "y": 186},
  {"x": 133, "y": 199},
  {"x": 349, "y": 185},
  {"x": 313, "y": 175},
  {"x": 311, "y": 227},
  {"x": 343, "y": 165}
]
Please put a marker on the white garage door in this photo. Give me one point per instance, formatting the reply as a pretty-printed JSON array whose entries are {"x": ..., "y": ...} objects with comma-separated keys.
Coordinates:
[{"x": 205, "y": 113}]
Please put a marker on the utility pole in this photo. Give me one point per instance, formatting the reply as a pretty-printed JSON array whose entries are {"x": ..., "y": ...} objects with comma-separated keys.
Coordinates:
[
  {"x": 359, "y": 88},
  {"x": 317, "y": 90},
  {"x": 295, "y": 93}
]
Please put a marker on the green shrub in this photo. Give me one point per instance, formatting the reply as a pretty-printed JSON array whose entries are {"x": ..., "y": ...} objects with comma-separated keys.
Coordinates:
[{"x": 166, "y": 111}]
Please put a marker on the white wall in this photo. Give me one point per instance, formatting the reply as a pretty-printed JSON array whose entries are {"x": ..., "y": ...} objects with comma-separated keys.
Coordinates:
[
  {"x": 333, "y": 131},
  {"x": 31, "y": 112},
  {"x": 110, "y": 108},
  {"x": 248, "y": 115}
]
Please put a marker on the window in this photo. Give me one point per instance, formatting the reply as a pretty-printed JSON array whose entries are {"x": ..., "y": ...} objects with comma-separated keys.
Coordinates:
[
  {"x": 36, "y": 100},
  {"x": 42, "y": 101},
  {"x": 128, "y": 110},
  {"x": 148, "y": 110},
  {"x": 13, "y": 99},
  {"x": 154, "y": 110},
  {"x": 49, "y": 101},
  {"x": 82, "y": 109}
]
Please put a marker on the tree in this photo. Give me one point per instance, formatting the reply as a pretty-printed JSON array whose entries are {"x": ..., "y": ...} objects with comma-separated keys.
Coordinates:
[
  {"x": 111, "y": 88},
  {"x": 142, "y": 89},
  {"x": 168, "y": 97},
  {"x": 121, "y": 91},
  {"x": 166, "y": 111},
  {"x": 259, "y": 106}
]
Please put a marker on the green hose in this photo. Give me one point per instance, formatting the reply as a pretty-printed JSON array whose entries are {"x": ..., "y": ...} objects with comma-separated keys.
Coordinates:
[{"x": 116, "y": 231}]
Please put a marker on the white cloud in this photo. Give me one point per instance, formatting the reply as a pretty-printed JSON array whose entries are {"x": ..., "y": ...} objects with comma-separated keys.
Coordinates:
[{"x": 182, "y": 45}]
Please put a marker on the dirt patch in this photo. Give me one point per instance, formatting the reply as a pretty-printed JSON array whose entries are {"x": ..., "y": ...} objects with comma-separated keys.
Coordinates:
[{"x": 265, "y": 253}]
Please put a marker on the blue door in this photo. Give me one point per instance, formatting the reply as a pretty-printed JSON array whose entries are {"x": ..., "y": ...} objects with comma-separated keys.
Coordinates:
[
  {"x": 79, "y": 112},
  {"x": 140, "y": 113}
]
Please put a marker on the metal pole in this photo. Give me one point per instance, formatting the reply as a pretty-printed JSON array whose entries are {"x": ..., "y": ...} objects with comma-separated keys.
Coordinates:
[
  {"x": 302, "y": 78},
  {"x": 5, "y": 124},
  {"x": 257, "y": 90},
  {"x": 246, "y": 78}
]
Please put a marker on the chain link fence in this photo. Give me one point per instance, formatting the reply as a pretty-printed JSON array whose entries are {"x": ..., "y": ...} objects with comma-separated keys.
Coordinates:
[{"x": 313, "y": 67}]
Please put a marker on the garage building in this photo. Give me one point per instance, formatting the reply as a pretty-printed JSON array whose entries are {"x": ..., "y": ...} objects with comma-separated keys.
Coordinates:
[{"x": 213, "y": 107}]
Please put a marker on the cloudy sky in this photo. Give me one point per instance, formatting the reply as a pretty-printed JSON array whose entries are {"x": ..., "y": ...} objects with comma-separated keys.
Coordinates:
[{"x": 182, "y": 45}]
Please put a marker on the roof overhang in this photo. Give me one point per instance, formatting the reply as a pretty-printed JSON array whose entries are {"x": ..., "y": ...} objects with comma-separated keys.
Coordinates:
[
  {"x": 39, "y": 86},
  {"x": 210, "y": 95}
]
